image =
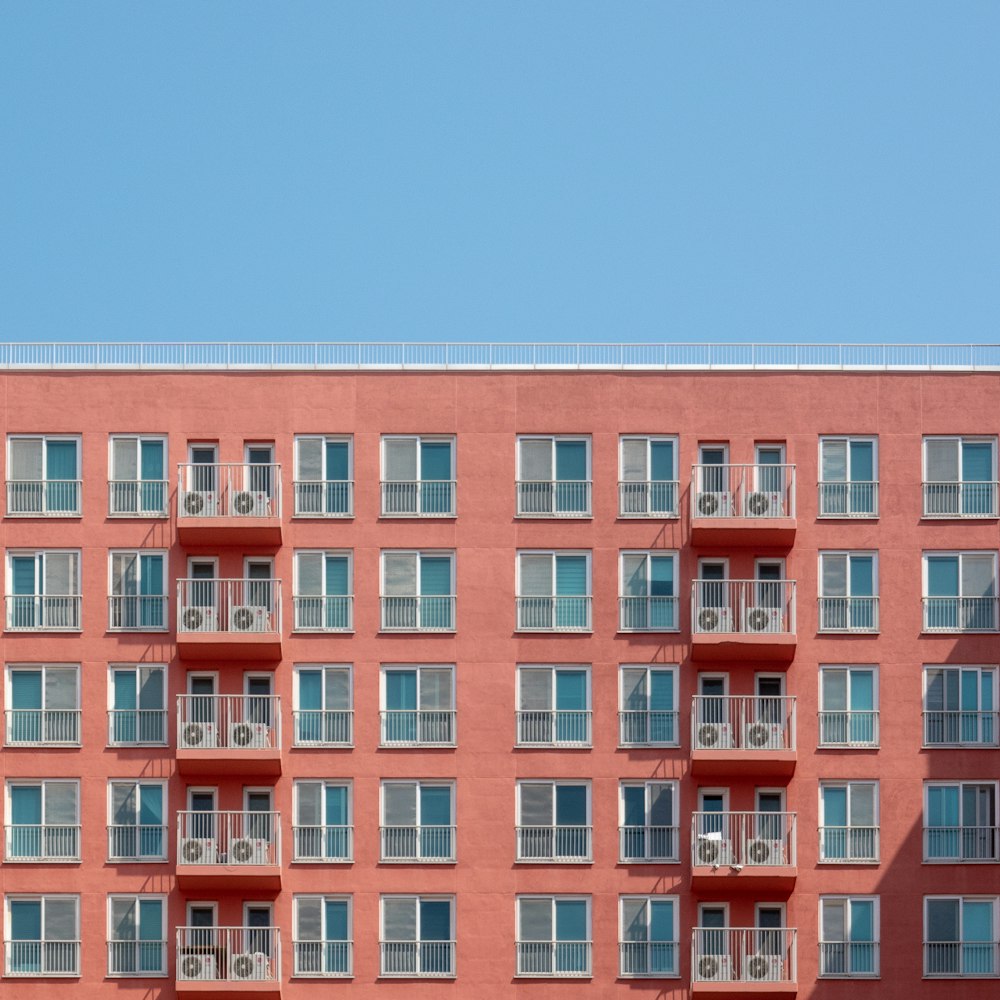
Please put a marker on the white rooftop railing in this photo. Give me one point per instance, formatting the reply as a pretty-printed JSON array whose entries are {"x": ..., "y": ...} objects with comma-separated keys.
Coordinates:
[{"x": 470, "y": 356}]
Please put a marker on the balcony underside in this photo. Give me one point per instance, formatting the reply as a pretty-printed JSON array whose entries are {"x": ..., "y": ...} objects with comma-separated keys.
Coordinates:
[
  {"x": 257, "y": 878},
  {"x": 749, "y": 878},
  {"x": 261, "y": 647},
  {"x": 217, "y": 990},
  {"x": 776, "y": 532},
  {"x": 770, "y": 763},
  {"x": 213, "y": 531},
  {"x": 775, "y": 647},
  {"x": 741, "y": 989},
  {"x": 237, "y": 762}
]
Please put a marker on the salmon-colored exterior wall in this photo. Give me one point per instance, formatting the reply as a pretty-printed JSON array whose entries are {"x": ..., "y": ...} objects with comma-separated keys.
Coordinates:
[{"x": 485, "y": 412}]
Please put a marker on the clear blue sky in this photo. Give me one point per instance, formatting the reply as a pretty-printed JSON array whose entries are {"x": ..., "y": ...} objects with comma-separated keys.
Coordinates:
[{"x": 473, "y": 170}]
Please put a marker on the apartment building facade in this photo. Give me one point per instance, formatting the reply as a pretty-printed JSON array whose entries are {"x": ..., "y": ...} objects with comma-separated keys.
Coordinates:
[{"x": 508, "y": 681}]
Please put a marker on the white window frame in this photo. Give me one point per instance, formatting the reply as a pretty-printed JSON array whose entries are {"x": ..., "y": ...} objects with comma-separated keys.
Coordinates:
[
  {"x": 324, "y": 783},
  {"x": 418, "y": 554},
  {"x": 137, "y": 897},
  {"x": 41, "y": 897},
  {"x": 649, "y": 899},
  {"x": 30, "y": 782},
  {"x": 347, "y": 439},
  {"x": 849, "y": 784},
  {"x": 418, "y": 898},
  {"x": 41, "y": 668},
  {"x": 162, "y": 784},
  {"x": 553, "y": 669},
  {"x": 846, "y": 899},
  {"x": 646, "y": 784},
  {"x": 324, "y": 898},
  {"x": 553, "y": 898},
  {"x": 847, "y": 439},
  {"x": 674, "y": 670},
  {"x": 961, "y": 898},
  {"x": 958, "y": 554},
  {"x": 553, "y": 553},
  {"x": 981, "y": 669},
  {"x": 960, "y": 783},
  {"x": 849, "y": 669}
]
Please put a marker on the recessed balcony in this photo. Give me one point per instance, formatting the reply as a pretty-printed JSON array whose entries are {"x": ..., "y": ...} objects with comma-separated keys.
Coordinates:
[
  {"x": 229, "y": 734},
  {"x": 743, "y": 505},
  {"x": 743, "y": 850},
  {"x": 229, "y": 619},
  {"x": 229, "y": 849},
  {"x": 228, "y": 961},
  {"x": 742, "y": 960},
  {"x": 743, "y": 620},
  {"x": 229, "y": 504},
  {"x": 737, "y": 734}
]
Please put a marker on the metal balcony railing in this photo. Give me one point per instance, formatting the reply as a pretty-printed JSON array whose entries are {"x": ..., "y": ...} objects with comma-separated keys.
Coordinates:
[
  {"x": 649, "y": 728},
  {"x": 956, "y": 844},
  {"x": 416, "y": 613},
  {"x": 42, "y": 727},
  {"x": 232, "y": 606},
  {"x": 137, "y": 727},
  {"x": 137, "y": 842},
  {"x": 137, "y": 958},
  {"x": 323, "y": 727},
  {"x": 418, "y": 498},
  {"x": 324, "y": 498},
  {"x": 960, "y": 500},
  {"x": 138, "y": 498},
  {"x": 553, "y": 728},
  {"x": 744, "y": 839},
  {"x": 848, "y": 614},
  {"x": 228, "y": 838},
  {"x": 743, "y": 955},
  {"x": 323, "y": 843},
  {"x": 228, "y": 722},
  {"x": 742, "y": 722},
  {"x": 961, "y": 729},
  {"x": 323, "y": 958},
  {"x": 849, "y": 844},
  {"x": 137, "y": 613},
  {"x": 649, "y": 498},
  {"x": 228, "y": 954},
  {"x": 960, "y": 614},
  {"x": 852, "y": 728},
  {"x": 848, "y": 500},
  {"x": 333, "y": 613},
  {"x": 648, "y": 614},
  {"x": 425, "y": 843},
  {"x": 760, "y": 492},
  {"x": 553, "y": 498},
  {"x": 554, "y": 614},
  {"x": 43, "y": 612},
  {"x": 849, "y": 959},
  {"x": 417, "y": 728},
  {"x": 42, "y": 842},
  {"x": 647, "y": 958},
  {"x": 564, "y": 844},
  {"x": 640, "y": 844},
  {"x": 44, "y": 497},
  {"x": 228, "y": 490},
  {"x": 960, "y": 959},
  {"x": 750, "y": 607},
  {"x": 553, "y": 958},
  {"x": 42, "y": 958},
  {"x": 430, "y": 959}
]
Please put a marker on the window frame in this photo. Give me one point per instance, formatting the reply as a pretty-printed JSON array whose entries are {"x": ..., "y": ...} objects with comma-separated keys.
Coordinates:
[
  {"x": 161, "y": 898},
  {"x": 40, "y": 897},
  {"x": 41, "y": 667},
  {"x": 649, "y": 899}
]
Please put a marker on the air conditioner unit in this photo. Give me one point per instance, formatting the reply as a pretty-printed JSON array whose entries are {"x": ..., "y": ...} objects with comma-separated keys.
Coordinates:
[
  {"x": 249, "y": 735},
  {"x": 713, "y": 849},
  {"x": 714, "y": 504},
  {"x": 247, "y": 618},
  {"x": 249, "y": 851},
  {"x": 249, "y": 503},
  {"x": 763, "y": 736},
  {"x": 764, "y": 968},
  {"x": 197, "y": 851},
  {"x": 200, "y": 503},
  {"x": 763, "y": 504},
  {"x": 197, "y": 618},
  {"x": 248, "y": 965},
  {"x": 714, "y": 969},
  {"x": 714, "y": 736},
  {"x": 762, "y": 620},
  {"x": 196, "y": 967},
  {"x": 714, "y": 620},
  {"x": 764, "y": 851},
  {"x": 199, "y": 736}
]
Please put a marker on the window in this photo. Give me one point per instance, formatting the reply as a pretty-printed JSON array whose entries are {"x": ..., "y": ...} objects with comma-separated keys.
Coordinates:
[
  {"x": 418, "y": 591},
  {"x": 553, "y": 477},
  {"x": 137, "y": 715},
  {"x": 960, "y": 936},
  {"x": 418, "y": 936},
  {"x": 418, "y": 821},
  {"x": 553, "y": 936},
  {"x": 960, "y": 706},
  {"x": 323, "y": 945},
  {"x": 43, "y": 705},
  {"x": 849, "y": 932},
  {"x": 648, "y": 829},
  {"x": 960, "y": 821},
  {"x": 137, "y": 600},
  {"x": 43, "y": 936},
  {"x": 553, "y": 706},
  {"x": 848, "y": 485},
  {"x": 553, "y": 591},
  {"x": 323, "y": 599},
  {"x": 137, "y": 486},
  {"x": 553, "y": 821},
  {"x": 648, "y": 592},
  {"x": 324, "y": 479},
  {"x": 137, "y": 936},
  {"x": 849, "y": 821},
  {"x": 43, "y": 590},
  {"x": 960, "y": 592},
  {"x": 418, "y": 706},
  {"x": 848, "y": 714},
  {"x": 323, "y": 713},
  {"x": 43, "y": 820},
  {"x": 323, "y": 828},
  {"x": 649, "y": 939},
  {"x": 648, "y": 483},
  {"x": 418, "y": 477},
  {"x": 136, "y": 829},
  {"x": 848, "y": 600},
  {"x": 960, "y": 477},
  {"x": 648, "y": 715},
  {"x": 43, "y": 476}
]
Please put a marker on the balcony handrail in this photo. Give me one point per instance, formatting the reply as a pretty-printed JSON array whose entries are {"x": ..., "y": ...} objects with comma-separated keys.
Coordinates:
[
  {"x": 138, "y": 613},
  {"x": 138, "y": 497},
  {"x": 648, "y": 842},
  {"x": 418, "y": 497},
  {"x": 754, "y": 490},
  {"x": 229, "y": 489},
  {"x": 858, "y": 613},
  {"x": 751, "y": 607},
  {"x": 554, "y": 727},
  {"x": 849, "y": 844},
  {"x": 312, "y": 959},
  {"x": 236, "y": 721},
  {"x": 743, "y": 954},
  {"x": 555, "y": 842},
  {"x": 323, "y": 727},
  {"x": 956, "y": 844},
  {"x": 42, "y": 726},
  {"x": 137, "y": 958},
  {"x": 228, "y": 954},
  {"x": 137, "y": 841},
  {"x": 417, "y": 727},
  {"x": 137, "y": 726},
  {"x": 648, "y": 958},
  {"x": 323, "y": 498},
  {"x": 851, "y": 727},
  {"x": 652, "y": 498},
  {"x": 648, "y": 613},
  {"x": 561, "y": 959},
  {"x": 421, "y": 958},
  {"x": 848, "y": 498},
  {"x": 959, "y": 499},
  {"x": 635, "y": 727},
  {"x": 430, "y": 843},
  {"x": 41, "y": 957},
  {"x": 961, "y": 959},
  {"x": 418, "y": 612},
  {"x": 960, "y": 727},
  {"x": 42, "y": 841},
  {"x": 323, "y": 842},
  {"x": 556, "y": 498},
  {"x": 228, "y": 837},
  {"x": 44, "y": 497},
  {"x": 323, "y": 612},
  {"x": 43, "y": 612},
  {"x": 743, "y": 722},
  {"x": 849, "y": 959},
  {"x": 960, "y": 614},
  {"x": 554, "y": 612},
  {"x": 753, "y": 839},
  {"x": 229, "y": 605}
]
